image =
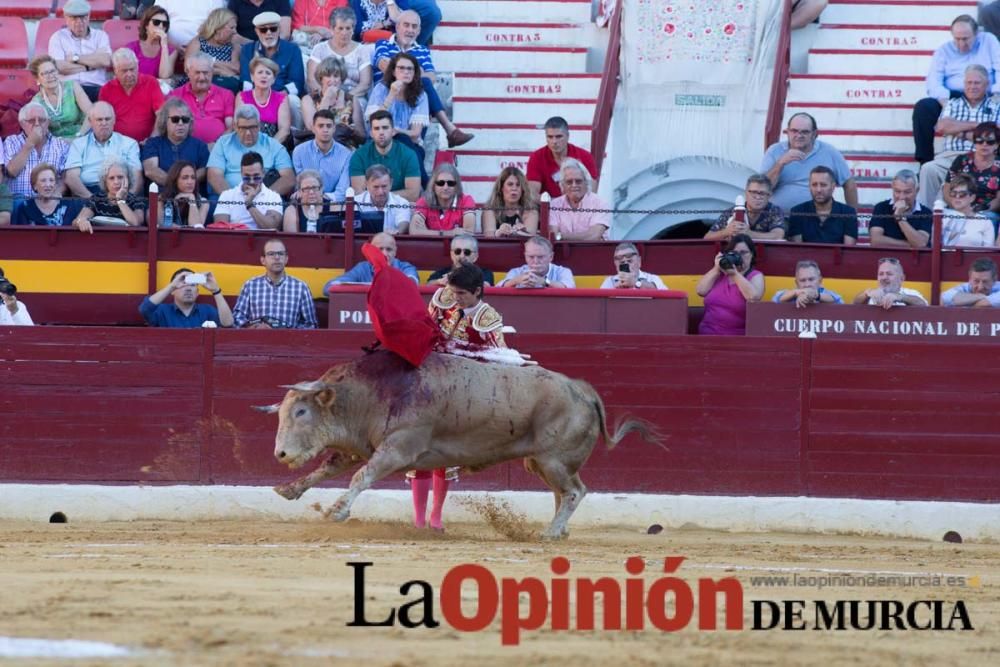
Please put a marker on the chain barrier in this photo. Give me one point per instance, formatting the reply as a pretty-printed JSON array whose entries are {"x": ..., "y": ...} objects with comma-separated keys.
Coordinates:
[{"x": 291, "y": 201}]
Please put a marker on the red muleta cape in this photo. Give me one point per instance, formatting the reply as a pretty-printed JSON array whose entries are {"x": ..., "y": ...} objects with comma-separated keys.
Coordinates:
[{"x": 398, "y": 313}]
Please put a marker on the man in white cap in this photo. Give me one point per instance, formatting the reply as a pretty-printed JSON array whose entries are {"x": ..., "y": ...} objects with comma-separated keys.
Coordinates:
[
  {"x": 291, "y": 76},
  {"x": 81, "y": 53}
]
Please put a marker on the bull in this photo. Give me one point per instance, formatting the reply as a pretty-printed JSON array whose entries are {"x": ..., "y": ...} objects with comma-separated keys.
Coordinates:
[{"x": 450, "y": 411}]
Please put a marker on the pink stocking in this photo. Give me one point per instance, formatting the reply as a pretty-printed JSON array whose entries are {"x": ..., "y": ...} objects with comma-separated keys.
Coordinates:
[
  {"x": 440, "y": 493},
  {"x": 421, "y": 487}
]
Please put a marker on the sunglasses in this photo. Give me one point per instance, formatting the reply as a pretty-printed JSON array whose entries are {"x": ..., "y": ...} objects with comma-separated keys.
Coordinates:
[
  {"x": 256, "y": 178},
  {"x": 267, "y": 28},
  {"x": 988, "y": 142},
  {"x": 160, "y": 23},
  {"x": 183, "y": 120},
  {"x": 462, "y": 251},
  {"x": 441, "y": 183},
  {"x": 960, "y": 193}
]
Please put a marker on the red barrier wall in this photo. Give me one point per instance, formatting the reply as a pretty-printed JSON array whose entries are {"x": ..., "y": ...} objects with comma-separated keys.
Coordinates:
[{"x": 761, "y": 416}]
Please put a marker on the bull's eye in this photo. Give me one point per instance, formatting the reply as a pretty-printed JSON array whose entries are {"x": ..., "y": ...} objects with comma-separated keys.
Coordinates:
[{"x": 300, "y": 412}]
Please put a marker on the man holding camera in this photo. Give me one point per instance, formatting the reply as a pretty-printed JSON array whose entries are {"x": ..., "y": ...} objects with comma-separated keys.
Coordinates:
[
  {"x": 630, "y": 275},
  {"x": 185, "y": 312},
  {"x": 12, "y": 312}
]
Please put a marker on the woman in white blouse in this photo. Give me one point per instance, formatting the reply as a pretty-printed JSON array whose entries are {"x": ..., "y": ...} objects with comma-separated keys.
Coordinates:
[{"x": 962, "y": 225}]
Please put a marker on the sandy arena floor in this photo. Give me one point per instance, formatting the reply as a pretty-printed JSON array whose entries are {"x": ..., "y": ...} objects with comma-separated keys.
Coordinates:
[{"x": 269, "y": 593}]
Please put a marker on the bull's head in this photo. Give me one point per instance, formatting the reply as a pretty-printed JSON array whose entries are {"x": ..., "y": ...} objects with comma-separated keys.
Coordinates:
[{"x": 304, "y": 422}]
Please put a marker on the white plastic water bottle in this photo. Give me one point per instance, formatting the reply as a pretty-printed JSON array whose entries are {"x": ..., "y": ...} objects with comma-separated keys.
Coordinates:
[{"x": 168, "y": 214}]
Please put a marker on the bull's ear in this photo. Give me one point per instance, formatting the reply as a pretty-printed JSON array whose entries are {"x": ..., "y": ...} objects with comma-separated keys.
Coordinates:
[
  {"x": 306, "y": 387},
  {"x": 269, "y": 409},
  {"x": 326, "y": 397}
]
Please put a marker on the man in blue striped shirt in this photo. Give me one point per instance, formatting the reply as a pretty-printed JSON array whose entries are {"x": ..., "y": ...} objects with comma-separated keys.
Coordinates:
[
  {"x": 275, "y": 300},
  {"x": 405, "y": 41}
]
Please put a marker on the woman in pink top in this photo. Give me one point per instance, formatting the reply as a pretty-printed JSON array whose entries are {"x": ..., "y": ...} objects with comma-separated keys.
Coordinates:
[
  {"x": 154, "y": 60},
  {"x": 444, "y": 210},
  {"x": 727, "y": 288},
  {"x": 275, "y": 113}
]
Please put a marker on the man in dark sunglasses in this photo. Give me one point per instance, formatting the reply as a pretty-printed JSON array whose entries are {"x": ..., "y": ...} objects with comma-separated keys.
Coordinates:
[
  {"x": 464, "y": 250},
  {"x": 269, "y": 43},
  {"x": 247, "y": 12},
  {"x": 173, "y": 141}
]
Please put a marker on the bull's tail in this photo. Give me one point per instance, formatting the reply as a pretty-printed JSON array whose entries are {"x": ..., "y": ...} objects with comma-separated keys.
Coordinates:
[{"x": 646, "y": 430}]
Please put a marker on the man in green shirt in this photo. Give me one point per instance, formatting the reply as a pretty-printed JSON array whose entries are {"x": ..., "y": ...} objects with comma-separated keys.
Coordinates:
[{"x": 400, "y": 160}]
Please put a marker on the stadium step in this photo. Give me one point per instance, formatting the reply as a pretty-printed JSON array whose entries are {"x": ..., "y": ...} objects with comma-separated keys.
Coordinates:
[
  {"x": 490, "y": 162},
  {"x": 897, "y": 12},
  {"x": 544, "y": 85},
  {"x": 478, "y": 186},
  {"x": 515, "y": 109},
  {"x": 871, "y": 192},
  {"x": 507, "y": 34},
  {"x": 832, "y": 115},
  {"x": 853, "y": 89},
  {"x": 519, "y": 136},
  {"x": 879, "y": 165},
  {"x": 515, "y": 63},
  {"x": 525, "y": 11},
  {"x": 852, "y": 139},
  {"x": 886, "y": 37},
  {"x": 868, "y": 61},
  {"x": 506, "y": 59}
]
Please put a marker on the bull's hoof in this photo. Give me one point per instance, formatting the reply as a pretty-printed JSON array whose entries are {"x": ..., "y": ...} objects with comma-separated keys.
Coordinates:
[
  {"x": 552, "y": 536},
  {"x": 338, "y": 513},
  {"x": 290, "y": 491}
]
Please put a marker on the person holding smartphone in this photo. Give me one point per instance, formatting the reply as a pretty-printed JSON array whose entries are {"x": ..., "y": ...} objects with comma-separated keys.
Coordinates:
[
  {"x": 185, "y": 312},
  {"x": 630, "y": 274}
]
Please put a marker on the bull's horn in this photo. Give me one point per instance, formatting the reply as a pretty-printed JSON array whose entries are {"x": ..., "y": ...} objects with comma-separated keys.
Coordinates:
[
  {"x": 315, "y": 385},
  {"x": 269, "y": 409}
]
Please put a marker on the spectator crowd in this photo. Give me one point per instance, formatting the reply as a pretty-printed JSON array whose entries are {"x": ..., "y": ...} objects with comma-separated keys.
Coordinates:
[{"x": 253, "y": 116}]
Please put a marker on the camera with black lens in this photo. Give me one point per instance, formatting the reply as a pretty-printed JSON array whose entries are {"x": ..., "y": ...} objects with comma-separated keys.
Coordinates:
[
  {"x": 730, "y": 260},
  {"x": 7, "y": 287}
]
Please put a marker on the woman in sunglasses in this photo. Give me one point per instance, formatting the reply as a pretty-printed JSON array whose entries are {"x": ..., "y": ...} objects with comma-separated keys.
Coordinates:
[
  {"x": 962, "y": 224},
  {"x": 172, "y": 141},
  {"x": 156, "y": 57},
  {"x": 444, "y": 210},
  {"x": 180, "y": 201},
  {"x": 984, "y": 168}
]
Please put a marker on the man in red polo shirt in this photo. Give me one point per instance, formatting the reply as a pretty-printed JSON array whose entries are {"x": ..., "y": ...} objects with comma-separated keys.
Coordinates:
[
  {"x": 211, "y": 105},
  {"x": 544, "y": 164},
  {"x": 135, "y": 97}
]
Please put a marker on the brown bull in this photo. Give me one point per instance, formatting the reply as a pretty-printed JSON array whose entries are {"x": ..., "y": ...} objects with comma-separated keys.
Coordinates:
[{"x": 450, "y": 411}]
